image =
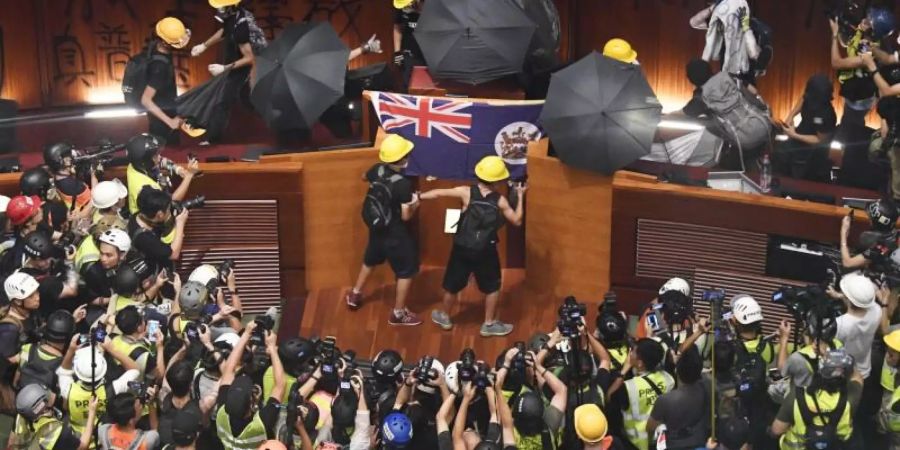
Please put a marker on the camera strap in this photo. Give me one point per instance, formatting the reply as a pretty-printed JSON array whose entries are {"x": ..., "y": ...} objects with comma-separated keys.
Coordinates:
[{"x": 653, "y": 385}]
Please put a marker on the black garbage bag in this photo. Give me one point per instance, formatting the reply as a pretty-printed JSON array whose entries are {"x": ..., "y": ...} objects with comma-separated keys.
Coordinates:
[{"x": 198, "y": 105}]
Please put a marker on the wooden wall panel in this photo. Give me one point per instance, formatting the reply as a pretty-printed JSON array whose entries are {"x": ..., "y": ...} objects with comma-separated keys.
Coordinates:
[
  {"x": 20, "y": 71},
  {"x": 568, "y": 244}
]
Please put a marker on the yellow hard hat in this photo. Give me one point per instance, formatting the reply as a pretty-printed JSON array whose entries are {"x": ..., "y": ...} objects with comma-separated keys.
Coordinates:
[
  {"x": 590, "y": 423},
  {"x": 173, "y": 32},
  {"x": 893, "y": 340},
  {"x": 491, "y": 169},
  {"x": 400, "y": 4},
  {"x": 619, "y": 49},
  {"x": 223, "y": 3},
  {"x": 191, "y": 131},
  {"x": 394, "y": 148}
]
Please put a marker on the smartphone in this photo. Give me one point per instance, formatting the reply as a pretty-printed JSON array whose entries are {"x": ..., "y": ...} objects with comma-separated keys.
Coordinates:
[
  {"x": 152, "y": 329},
  {"x": 653, "y": 321},
  {"x": 83, "y": 339},
  {"x": 99, "y": 335}
]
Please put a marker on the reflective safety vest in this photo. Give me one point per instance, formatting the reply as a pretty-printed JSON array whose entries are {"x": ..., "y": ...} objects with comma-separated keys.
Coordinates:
[
  {"x": 87, "y": 252},
  {"x": 642, "y": 395},
  {"x": 888, "y": 419},
  {"x": 134, "y": 349},
  {"x": 618, "y": 355},
  {"x": 767, "y": 352},
  {"x": 545, "y": 440},
  {"x": 269, "y": 383},
  {"x": 795, "y": 438},
  {"x": 253, "y": 435},
  {"x": 136, "y": 181},
  {"x": 122, "y": 302},
  {"x": 853, "y": 50},
  {"x": 79, "y": 401},
  {"x": 42, "y": 435}
]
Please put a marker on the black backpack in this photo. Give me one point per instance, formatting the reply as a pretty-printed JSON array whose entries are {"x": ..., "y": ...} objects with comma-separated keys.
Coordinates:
[
  {"x": 39, "y": 370},
  {"x": 822, "y": 437},
  {"x": 377, "y": 211},
  {"x": 750, "y": 368},
  {"x": 134, "y": 81},
  {"x": 478, "y": 225}
]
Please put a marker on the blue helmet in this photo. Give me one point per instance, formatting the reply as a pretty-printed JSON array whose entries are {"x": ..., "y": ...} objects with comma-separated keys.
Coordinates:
[
  {"x": 883, "y": 22},
  {"x": 397, "y": 430}
]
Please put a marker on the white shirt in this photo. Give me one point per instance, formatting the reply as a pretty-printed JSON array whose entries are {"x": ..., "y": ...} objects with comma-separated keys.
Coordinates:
[{"x": 857, "y": 334}]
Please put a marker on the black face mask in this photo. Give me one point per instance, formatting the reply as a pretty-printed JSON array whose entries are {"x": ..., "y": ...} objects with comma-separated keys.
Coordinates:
[{"x": 222, "y": 14}]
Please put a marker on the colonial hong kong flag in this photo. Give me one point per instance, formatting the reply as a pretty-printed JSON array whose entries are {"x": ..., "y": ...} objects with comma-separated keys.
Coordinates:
[{"x": 452, "y": 135}]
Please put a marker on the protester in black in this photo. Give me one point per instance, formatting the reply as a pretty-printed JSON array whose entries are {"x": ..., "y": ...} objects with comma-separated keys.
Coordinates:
[
  {"x": 389, "y": 203},
  {"x": 407, "y": 53},
  {"x": 242, "y": 37},
  {"x": 154, "y": 234},
  {"x": 475, "y": 244},
  {"x": 159, "y": 95},
  {"x": 805, "y": 153},
  {"x": 698, "y": 72}
]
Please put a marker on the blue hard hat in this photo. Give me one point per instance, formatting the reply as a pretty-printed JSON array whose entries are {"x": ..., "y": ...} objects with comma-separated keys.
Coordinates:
[
  {"x": 882, "y": 21},
  {"x": 397, "y": 430}
]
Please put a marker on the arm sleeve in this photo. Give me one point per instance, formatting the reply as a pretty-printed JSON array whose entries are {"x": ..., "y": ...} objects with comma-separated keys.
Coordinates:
[
  {"x": 9, "y": 341},
  {"x": 403, "y": 191},
  {"x": 361, "y": 438},
  {"x": 64, "y": 378},
  {"x": 242, "y": 33},
  {"x": 120, "y": 385},
  {"x": 786, "y": 412},
  {"x": 553, "y": 418},
  {"x": 152, "y": 247},
  {"x": 854, "y": 394},
  {"x": 445, "y": 441},
  {"x": 269, "y": 415},
  {"x": 658, "y": 413}
]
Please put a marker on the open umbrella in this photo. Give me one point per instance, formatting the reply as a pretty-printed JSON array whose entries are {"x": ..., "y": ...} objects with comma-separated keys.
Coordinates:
[
  {"x": 299, "y": 75},
  {"x": 600, "y": 114},
  {"x": 474, "y": 41}
]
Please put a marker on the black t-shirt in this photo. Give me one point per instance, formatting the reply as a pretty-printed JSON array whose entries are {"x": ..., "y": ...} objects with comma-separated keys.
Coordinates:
[
  {"x": 161, "y": 76},
  {"x": 97, "y": 281},
  {"x": 149, "y": 243},
  {"x": 51, "y": 286},
  {"x": 268, "y": 414},
  {"x": 889, "y": 110},
  {"x": 407, "y": 21},
  {"x": 817, "y": 119},
  {"x": 401, "y": 192},
  {"x": 236, "y": 33}
]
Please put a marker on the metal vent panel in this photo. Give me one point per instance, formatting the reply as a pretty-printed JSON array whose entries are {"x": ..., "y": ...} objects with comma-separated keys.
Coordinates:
[
  {"x": 245, "y": 231},
  {"x": 670, "y": 249},
  {"x": 758, "y": 287}
]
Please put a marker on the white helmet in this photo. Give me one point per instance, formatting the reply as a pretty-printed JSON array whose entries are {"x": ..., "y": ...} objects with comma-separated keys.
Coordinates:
[
  {"x": 229, "y": 338},
  {"x": 429, "y": 388},
  {"x": 117, "y": 238},
  {"x": 676, "y": 284},
  {"x": 451, "y": 377},
  {"x": 746, "y": 310},
  {"x": 895, "y": 257},
  {"x": 107, "y": 193},
  {"x": 82, "y": 365},
  {"x": 19, "y": 286},
  {"x": 4, "y": 202},
  {"x": 858, "y": 289},
  {"x": 205, "y": 274}
]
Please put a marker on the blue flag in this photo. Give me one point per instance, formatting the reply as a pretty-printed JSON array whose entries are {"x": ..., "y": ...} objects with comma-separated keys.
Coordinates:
[{"x": 451, "y": 135}]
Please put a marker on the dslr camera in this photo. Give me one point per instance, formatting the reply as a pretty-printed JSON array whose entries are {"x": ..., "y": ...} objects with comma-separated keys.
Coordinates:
[
  {"x": 483, "y": 377},
  {"x": 263, "y": 323},
  {"x": 189, "y": 204},
  {"x": 193, "y": 330},
  {"x": 570, "y": 314},
  {"x": 519, "y": 363},
  {"x": 424, "y": 374},
  {"x": 328, "y": 356},
  {"x": 467, "y": 365},
  {"x": 139, "y": 390}
]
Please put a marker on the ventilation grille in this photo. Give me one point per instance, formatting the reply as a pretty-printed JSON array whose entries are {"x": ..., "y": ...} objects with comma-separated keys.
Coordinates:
[
  {"x": 242, "y": 230},
  {"x": 669, "y": 249},
  {"x": 758, "y": 287}
]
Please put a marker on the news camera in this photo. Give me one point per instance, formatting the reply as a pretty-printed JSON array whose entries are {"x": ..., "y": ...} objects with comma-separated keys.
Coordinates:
[{"x": 800, "y": 300}]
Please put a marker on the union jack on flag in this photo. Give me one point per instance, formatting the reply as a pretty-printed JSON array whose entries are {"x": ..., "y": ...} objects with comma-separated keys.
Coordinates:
[{"x": 448, "y": 117}]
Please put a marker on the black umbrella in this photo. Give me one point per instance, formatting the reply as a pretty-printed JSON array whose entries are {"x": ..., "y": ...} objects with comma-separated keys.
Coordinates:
[
  {"x": 600, "y": 114},
  {"x": 542, "y": 53},
  {"x": 299, "y": 75},
  {"x": 474, "y": 41}
]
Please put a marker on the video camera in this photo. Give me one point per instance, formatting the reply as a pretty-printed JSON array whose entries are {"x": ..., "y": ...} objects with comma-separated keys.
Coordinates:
[
  {"x": 676, "y": 307},
  {"x": 800, "y": 300},
  {"x": 570, "y": 317}
]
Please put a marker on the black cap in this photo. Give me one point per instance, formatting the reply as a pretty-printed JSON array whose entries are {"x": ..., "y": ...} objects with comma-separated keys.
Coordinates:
[
  {"x": 240, "y": 394},
  {"x": 185, "y": 426}
]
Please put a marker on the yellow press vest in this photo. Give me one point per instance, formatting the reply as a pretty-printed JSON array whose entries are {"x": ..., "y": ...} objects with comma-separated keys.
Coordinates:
[
  {"x": 122, "y": 302},
  {"x": 79, "y": 401},
  {"x": 250, "y": 438},
  {"x": 134, "y": 350},
  {"x": 136, "y": 181},
  {"x": 853, "y": 50},
  {"x": 87, "y": 252},
  {"x": 795, "y": 438},
  {"x": 269, "y": 383},
  {"x": 535, "y": 442},
  {"x": 618, "y": 355},
  {"x": 888, "y": 420},
  {"x": 767, "y": 353},
  {"x": 641, "y": 398},
  {"x": 42, "y": 435}
]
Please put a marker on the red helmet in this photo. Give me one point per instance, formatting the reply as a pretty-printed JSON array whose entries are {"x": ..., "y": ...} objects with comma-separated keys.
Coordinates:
[{"x": 21, "y": 208}]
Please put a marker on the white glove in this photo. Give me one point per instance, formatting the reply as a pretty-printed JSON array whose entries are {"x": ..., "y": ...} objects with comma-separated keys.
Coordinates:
[
  {"x": 198, "y": 49},
  {"x": 216, "y": 69},
  {"x": 373, "y": 45}
]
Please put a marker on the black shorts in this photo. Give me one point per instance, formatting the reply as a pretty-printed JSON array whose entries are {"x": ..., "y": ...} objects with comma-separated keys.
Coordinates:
[
  {"x": 398, "y": 249},
  {"x": 485, "y": 265}
]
